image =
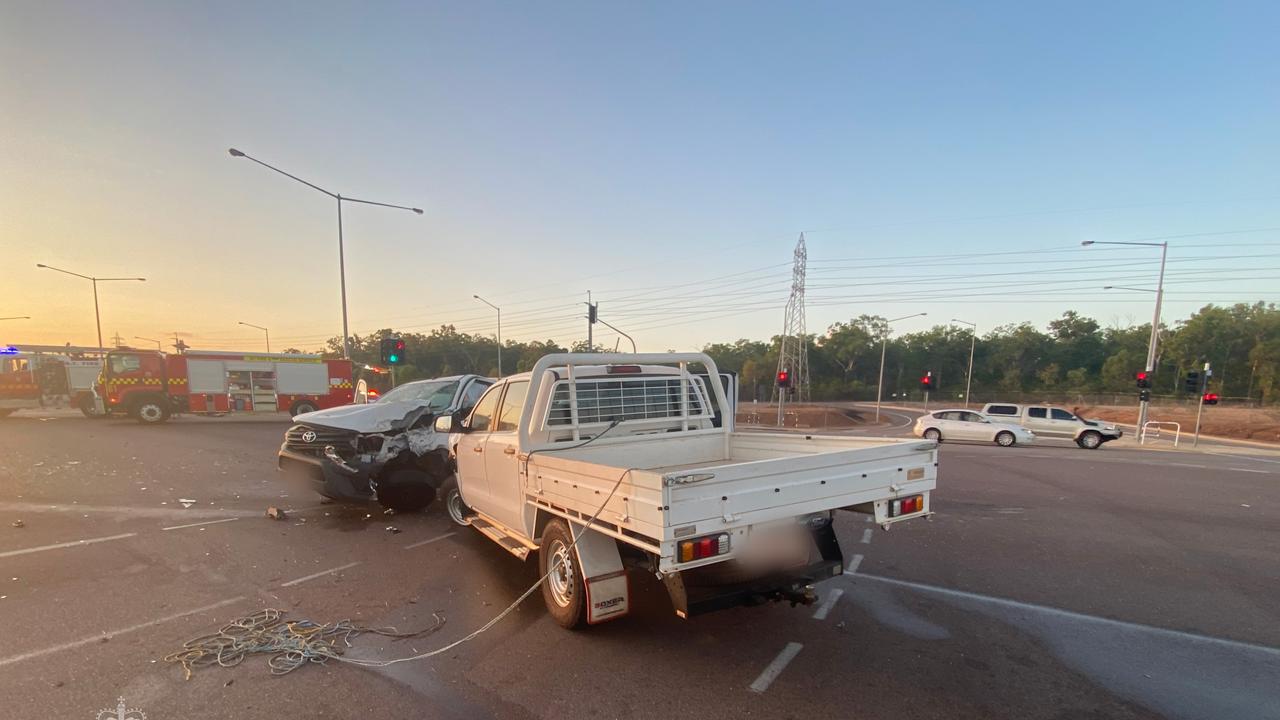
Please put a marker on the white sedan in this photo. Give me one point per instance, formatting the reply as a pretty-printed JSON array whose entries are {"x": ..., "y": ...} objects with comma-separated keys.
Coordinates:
[{"x": 942, "y": 425}]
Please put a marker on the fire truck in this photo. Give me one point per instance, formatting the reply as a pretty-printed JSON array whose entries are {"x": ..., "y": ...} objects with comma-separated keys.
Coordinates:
[
  {"x": 150, "y": 386},
  {"x": 48, "y": 376}
]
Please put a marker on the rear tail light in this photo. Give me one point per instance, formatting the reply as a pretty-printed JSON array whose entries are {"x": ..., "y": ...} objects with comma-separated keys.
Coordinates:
[
  {"x": 704, "y": 547},
  {"x": 906, "y": 505}
]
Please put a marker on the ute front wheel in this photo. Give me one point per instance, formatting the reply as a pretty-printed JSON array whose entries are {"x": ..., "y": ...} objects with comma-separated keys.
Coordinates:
[{"x": 562, "y": 590}]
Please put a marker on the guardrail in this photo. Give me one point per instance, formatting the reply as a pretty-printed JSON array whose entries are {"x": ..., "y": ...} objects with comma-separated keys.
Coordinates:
[{"x": 1159, "y": 425}]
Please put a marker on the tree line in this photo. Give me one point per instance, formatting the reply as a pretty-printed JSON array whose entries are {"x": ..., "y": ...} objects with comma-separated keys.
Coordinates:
[{"x": 1073, "y": 354}]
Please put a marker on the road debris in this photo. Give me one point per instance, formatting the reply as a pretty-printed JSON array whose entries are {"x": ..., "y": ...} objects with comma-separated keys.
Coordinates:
[
  {"x": 290, "y": 643},
  {"x": 276, "y": 513},
  {"x": 393, "y": 529},
  {"x": 19, "y": 523},
  {"x": 186, "y": 503}
]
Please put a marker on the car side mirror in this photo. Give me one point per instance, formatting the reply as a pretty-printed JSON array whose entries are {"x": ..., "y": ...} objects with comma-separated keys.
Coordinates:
[{"x": 444, "y": 424}]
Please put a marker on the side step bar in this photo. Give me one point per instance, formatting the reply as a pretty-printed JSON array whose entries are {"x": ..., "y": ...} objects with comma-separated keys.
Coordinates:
[{"x": 500, "y": 536}]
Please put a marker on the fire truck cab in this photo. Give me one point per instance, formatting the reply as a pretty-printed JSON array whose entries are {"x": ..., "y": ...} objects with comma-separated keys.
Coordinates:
[{"x": 150, "y": 386}]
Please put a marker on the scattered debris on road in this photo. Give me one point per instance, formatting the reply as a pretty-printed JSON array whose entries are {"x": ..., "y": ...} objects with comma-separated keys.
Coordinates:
[
  {"x": 290, "y": 643},
  {"x": 393, "y": 529},
  {"x": 19, "y": 523},
  {"x": 276, "y": 513},
  {"x": 186, "y": 503}
]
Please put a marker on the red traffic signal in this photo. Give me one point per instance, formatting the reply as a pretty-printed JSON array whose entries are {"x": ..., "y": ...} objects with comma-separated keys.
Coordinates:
[
  {"x": 1210, "y": 398},
  {"x": 926, "y": 382},
  {"x": 1143, "y": 378},
  {"x": 784, "y": 379}
]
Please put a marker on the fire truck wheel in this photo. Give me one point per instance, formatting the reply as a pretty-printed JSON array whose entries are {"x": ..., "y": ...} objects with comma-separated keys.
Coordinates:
[
  {"x": 302, "y": 406},
  {"x": 150, "y": 411},
  {"x": 405, "y": 490}
]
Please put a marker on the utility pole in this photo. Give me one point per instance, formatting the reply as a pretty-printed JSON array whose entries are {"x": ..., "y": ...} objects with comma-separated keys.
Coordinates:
[{"x": 973, "y": 343}]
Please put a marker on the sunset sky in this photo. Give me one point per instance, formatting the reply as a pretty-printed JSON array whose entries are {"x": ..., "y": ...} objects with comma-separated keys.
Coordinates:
[{"x": 939, "y": 157}]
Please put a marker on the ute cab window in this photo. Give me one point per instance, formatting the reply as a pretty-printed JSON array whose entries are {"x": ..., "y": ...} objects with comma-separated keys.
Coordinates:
[
  {"x": 482, "y": 416},
  {"x": 1058, "y": 414}
]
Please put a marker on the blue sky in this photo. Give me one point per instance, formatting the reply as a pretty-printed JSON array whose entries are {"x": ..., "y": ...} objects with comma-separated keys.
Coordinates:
[{"x": 638, "y": 151}]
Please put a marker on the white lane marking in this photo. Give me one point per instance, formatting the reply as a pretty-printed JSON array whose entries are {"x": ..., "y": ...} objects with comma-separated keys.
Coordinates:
[
  {"x": 825, "y": 607},
  {"x": 776, "y": 667},
  {"x": 428, "y": 542},
  {"x": 322, "y": 573},
  {"x": 866, "y": 536},
  {"x": 1245, "y": 457},
  {"x": 112, "y": 633},
  {"x": 1058, "y": 612},
  {"x": 207, "y": 522},
  {"x": 73, "y": 543},
  {"x": 1187, "y": 465},
  {"x": 852, "y": 567},
  {"x": 1249, "y": 470}
]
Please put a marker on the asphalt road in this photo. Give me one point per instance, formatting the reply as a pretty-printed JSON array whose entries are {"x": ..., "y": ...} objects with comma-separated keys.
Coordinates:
[{"x": 1053, "y": 583}]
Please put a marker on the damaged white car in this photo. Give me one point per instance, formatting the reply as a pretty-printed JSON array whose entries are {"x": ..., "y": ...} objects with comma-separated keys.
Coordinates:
[{"x": 387, "y": 450}]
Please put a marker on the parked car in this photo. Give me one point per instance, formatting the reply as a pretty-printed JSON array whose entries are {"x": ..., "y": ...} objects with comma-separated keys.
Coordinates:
[
  {"x": 969, "y": 425},
  {"x": 386, "y": 450},
  {"x": 599, "y": 463},
  {"x": 1049, "y": 421}
]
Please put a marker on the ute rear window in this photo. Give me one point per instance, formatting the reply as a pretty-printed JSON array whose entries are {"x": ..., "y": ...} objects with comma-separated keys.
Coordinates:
[
  {"x": 633, "y": 398},
  {"x": 1002, "y": 410}
]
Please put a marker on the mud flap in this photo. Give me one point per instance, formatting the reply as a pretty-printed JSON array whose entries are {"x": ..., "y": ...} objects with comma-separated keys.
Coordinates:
[{"x": 608, "y": 591}]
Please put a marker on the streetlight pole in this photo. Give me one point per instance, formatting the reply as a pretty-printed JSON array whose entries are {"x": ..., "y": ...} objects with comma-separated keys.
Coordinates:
[
  {"x": 342, "y": 263},
  {"x": 264, "y": 331},
  {"x": 1155, "y": 319},
  {"x": 97, "y": 316},
  {"x": 973, "y": 342},
  {"x": 884, "y": 342},
  {"x": 499, "y": 311},
  {"x": 157, "y": 342}
]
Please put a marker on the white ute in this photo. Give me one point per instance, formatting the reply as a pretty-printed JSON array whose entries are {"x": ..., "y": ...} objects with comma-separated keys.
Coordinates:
[{"x": 602, "y": 463}]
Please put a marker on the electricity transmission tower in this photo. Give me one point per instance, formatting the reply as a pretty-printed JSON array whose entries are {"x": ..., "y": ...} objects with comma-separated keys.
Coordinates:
[{"x": 793, "y": 356}]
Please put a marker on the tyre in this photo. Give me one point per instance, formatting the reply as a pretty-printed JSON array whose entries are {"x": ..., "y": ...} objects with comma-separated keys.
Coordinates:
[
  {"x": 151, "y": 411},
  {"x": 453, "y": 503},
  {"x": 562, "y": 590},
  {"x": 1004, "y": 438},
  {"x": 302, "y": 406},
  {"x": 1090, "y": 440},
  {"x": 933, "y": 434},
  {"x": 405, "y": 490}
]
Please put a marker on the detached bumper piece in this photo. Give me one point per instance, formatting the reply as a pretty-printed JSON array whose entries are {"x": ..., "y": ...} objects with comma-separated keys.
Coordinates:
[{"x": 333, "y": 479}]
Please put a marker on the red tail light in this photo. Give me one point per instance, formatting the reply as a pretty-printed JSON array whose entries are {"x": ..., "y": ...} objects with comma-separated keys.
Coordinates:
[
  {"x": 699, "y": 548},
  {"x": 906, "y": 506}
]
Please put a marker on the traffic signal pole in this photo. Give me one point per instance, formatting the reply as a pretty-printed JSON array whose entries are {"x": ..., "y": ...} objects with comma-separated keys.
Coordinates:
[
  {"x": 1204, "y": 385},
  {"x": 1155, "y": 335}
]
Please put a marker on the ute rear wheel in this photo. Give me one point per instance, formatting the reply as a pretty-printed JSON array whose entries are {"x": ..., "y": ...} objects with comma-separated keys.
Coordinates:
[
  {"x": 562, "y": 590},
  {"x": 1005, "y": 439},
  {"x": 150, "y": 411}
]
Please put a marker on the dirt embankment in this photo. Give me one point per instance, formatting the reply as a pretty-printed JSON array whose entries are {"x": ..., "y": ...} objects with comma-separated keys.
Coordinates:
[
  {"x": 1238, "y": 423},
  {"x": 802, "y": 416}
]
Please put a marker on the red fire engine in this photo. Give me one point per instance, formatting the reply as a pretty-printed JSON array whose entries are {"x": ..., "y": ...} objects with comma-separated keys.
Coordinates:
[
  {"x": 150, "y": 385},
  {"x": 44, "y": 376}
]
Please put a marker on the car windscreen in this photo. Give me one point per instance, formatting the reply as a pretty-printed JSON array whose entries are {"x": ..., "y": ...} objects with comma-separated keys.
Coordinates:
[{"x": 436, "y": 395}]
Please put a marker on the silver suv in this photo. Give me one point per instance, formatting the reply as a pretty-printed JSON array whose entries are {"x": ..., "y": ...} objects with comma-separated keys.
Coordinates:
[{"x": 1050, "y": 421}]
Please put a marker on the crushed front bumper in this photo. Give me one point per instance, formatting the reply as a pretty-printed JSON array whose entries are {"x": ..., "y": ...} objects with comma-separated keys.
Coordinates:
[{"x": 331, "y": 476}]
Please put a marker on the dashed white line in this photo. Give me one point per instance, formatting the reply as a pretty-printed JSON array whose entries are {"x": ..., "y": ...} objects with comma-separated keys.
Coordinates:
[
  {"x": 207, "y": 522},
  {"x": 1248, "y": 470},
  {"x": 851, "y": 567},
  {"x": 866, "y": 536},
  {"x": 825, "y": 607},
  {"x": 322, "y": 573},
  {"x": 112, "y": 633},
  {"x": 428, "y": 542},
  {"x": 73, "y": 543},
  {"x": 776, "y": 667}
]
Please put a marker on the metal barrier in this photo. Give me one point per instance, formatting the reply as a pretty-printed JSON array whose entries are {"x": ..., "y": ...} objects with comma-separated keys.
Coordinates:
[{"x": 1158, "y": 425}]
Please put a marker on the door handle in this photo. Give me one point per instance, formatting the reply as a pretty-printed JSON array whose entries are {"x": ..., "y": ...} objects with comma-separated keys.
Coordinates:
[
  {"x": 509, "y": 451},
  {"x": 477, "y": 448}
]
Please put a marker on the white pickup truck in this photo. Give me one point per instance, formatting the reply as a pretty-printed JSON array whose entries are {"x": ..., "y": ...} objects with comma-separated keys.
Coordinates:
[{"x": 601, "y": 463}]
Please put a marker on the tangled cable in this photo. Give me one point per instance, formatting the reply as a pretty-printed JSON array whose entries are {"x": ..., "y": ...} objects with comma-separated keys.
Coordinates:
[{"x": 291, "y": 643}]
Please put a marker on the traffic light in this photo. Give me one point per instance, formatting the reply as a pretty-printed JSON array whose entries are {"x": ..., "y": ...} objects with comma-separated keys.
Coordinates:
[
  {"x": 392, "y": 351},
  {"x": 784, "y": 379},
  {"x": 1210, "y": 398},
  {"x": 1192, "y": 382},
  {"x": 1144, "y": 395},
  {"x": 1144, "y": 379},
  {"x": 926, "y": 382},
  {"x": 593, "y": 312}
]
